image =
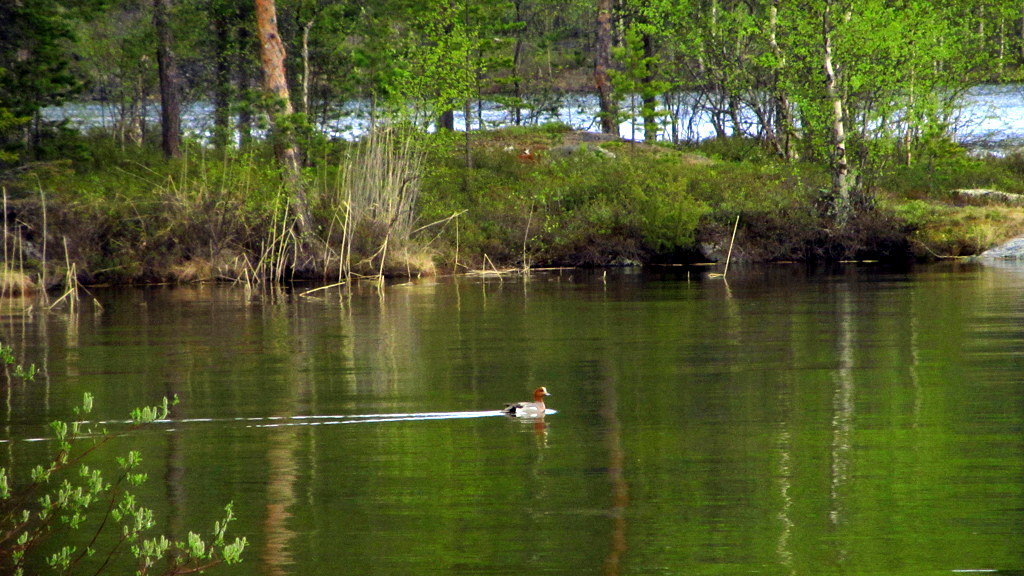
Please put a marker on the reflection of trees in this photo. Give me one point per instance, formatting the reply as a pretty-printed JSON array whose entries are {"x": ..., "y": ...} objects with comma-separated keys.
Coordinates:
[
  {"x": 842, "y": 404},
  {"x": 609, "y": 412},
  {"x": 284, "y": 443},
  {"x": 282, "y": 474},
  {"x": 384, "y": 336},
  {"x": 174, "y": 472},
  {"x": 785, "y": 484},
  {"x": 619, "y": 488}
]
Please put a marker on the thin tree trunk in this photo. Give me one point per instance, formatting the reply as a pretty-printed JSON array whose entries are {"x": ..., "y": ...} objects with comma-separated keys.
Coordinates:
[
  {"x": 602, "y": 62},
  {"x": 908, "y": 134},
  {"x": 1002, "y": 47},
  {"x": 305, "y": 66},
  {"x": 840, "y": 163},
  {"x": 784, "y": 108},
  {"x": 467, "y": 106},
  {"x": 245, "y": 115},
  {"x": 272, "y": 57},
  {"x": 734, "y": 116},
  {"x": 674, "y": 114},
  {"x": 1020, "y": 36},
  {"x": 648, "y": 95},
  {"x": 244, "y": 80},
  {"x": 170, "y": 81},
  {"x": 467, "y": 110},
  {"x": 517, "y": 59},
  {"x": 222, "y": 81},
  {"x": 446, "y": 121}
]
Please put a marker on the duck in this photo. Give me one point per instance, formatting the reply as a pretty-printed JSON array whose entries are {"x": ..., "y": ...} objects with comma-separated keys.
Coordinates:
[{"x": 535, "y": 409}]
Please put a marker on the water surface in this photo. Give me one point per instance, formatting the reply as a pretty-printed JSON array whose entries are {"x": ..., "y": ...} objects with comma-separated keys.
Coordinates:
[
  {"x": 783, "y": 422},
  {"x": 989, "y": 118}
]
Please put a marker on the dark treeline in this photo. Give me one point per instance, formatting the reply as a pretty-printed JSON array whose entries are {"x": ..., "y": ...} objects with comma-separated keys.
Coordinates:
[
  {"x": 854, "y": 87},
  {"x": 824, "y": 79}
]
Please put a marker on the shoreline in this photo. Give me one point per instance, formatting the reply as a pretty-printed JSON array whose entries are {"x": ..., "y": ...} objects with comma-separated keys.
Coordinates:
[{"x": 541, "y": 197}]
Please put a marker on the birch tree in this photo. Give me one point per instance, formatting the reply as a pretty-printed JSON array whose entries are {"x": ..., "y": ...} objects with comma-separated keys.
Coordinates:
[{"x": 840, "y": 166}]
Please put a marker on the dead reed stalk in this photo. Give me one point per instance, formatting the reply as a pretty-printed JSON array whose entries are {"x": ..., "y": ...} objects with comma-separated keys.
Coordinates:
[
  {"x": 728, "y": 256},
  {"x": 13, "y": 279},
  {"x": 71, "y": 286},
  {"x": 379, "y": 189}
]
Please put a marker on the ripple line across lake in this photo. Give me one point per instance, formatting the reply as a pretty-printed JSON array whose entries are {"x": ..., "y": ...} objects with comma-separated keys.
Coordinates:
[
  {"x": 367, "y": 418},
  {"x": 302, "y": 420}
]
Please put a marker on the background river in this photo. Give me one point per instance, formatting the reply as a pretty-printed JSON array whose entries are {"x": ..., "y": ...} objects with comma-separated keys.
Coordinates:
[
  {"x": 860, "y": 422},
  {"x": 991, "y": 118}
]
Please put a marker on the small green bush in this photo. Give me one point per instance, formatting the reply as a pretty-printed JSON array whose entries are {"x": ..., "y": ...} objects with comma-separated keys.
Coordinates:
[{"x": 65, "y": 516}]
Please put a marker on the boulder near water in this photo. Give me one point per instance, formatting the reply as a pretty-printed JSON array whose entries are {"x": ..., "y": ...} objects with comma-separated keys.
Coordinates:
[{"x": 1012, "y": 250}]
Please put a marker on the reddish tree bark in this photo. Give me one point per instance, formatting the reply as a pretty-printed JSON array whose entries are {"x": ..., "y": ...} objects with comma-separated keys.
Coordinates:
[
  {"x": 272, "y": 57},
  {"x": 602, "y": 62}
]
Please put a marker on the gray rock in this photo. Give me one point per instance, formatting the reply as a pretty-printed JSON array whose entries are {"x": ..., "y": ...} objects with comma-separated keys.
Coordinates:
[
  {"x": 993, "y": 196},
  {"x": 577, "y": 149},
  {"x": 1012, "y": 250}
]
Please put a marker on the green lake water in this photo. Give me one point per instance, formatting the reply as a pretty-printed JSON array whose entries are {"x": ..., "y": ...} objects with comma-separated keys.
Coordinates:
[{"x": 859, "y": 422}]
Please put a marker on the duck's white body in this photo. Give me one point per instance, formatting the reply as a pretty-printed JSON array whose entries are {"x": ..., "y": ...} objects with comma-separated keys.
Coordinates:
[{"x": 535, "y": 409}]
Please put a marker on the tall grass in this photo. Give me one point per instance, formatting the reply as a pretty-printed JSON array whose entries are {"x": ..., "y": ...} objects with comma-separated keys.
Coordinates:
[
  {"x": 13, "y": 279},
  {"x": 378, "y": 195},
  {"x": 229, "y": 216}
]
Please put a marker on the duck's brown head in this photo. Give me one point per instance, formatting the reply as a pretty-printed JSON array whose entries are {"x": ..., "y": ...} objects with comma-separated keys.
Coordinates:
[{"x": 540, "y": 393}]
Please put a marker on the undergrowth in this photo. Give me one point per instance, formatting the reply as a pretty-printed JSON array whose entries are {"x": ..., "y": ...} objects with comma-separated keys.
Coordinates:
[{"x": 404, "y": 204}]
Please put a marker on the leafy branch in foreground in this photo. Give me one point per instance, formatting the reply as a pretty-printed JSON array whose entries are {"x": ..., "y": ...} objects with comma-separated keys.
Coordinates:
[
  {"x": 7, "y": 359},
  {"x": 94, "y": 522}
]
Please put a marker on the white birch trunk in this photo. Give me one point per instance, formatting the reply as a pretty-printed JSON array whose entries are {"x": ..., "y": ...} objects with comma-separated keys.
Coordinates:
[{"x": 840, "y": 164}]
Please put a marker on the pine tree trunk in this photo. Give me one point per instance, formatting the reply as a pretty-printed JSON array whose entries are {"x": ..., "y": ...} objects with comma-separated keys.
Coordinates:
[
  {"x": 272, "y": 57},
  {"x": 170, "y": 81},
  {"x": 602, "y": 62}
]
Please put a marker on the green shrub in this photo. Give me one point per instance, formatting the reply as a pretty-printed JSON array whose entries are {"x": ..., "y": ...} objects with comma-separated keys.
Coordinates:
[
  {"x": 85, "y": 520},
  {"x": 736, "y": 149},
  {"x": 935, "y": 179}
]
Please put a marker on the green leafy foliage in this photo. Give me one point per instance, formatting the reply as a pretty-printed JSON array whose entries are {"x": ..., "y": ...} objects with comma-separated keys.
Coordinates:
[
  {"x": 67, "y": 500},
  {"x": 34, "y": 70},
  {"x": 590, "y": 208}
]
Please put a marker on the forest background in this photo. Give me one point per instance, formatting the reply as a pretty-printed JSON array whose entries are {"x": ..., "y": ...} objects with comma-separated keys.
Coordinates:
[{"x": 834, "y": 134}]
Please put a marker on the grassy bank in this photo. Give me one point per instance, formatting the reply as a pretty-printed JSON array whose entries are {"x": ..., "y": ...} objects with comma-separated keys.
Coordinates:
[
  {"x": 577, "y": 200},
  {"x": 418, "y": 204}
]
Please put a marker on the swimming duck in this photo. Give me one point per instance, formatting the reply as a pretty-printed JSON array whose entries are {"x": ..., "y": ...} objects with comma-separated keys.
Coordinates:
[{"x": 533, "y": 409}]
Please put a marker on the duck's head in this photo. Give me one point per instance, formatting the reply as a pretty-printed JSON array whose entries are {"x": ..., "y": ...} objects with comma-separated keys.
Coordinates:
[{"x": 540, "y": 393}]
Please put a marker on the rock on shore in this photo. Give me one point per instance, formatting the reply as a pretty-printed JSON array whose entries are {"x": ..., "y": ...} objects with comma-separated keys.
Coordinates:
[{"x": 1012, "y": 250}]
